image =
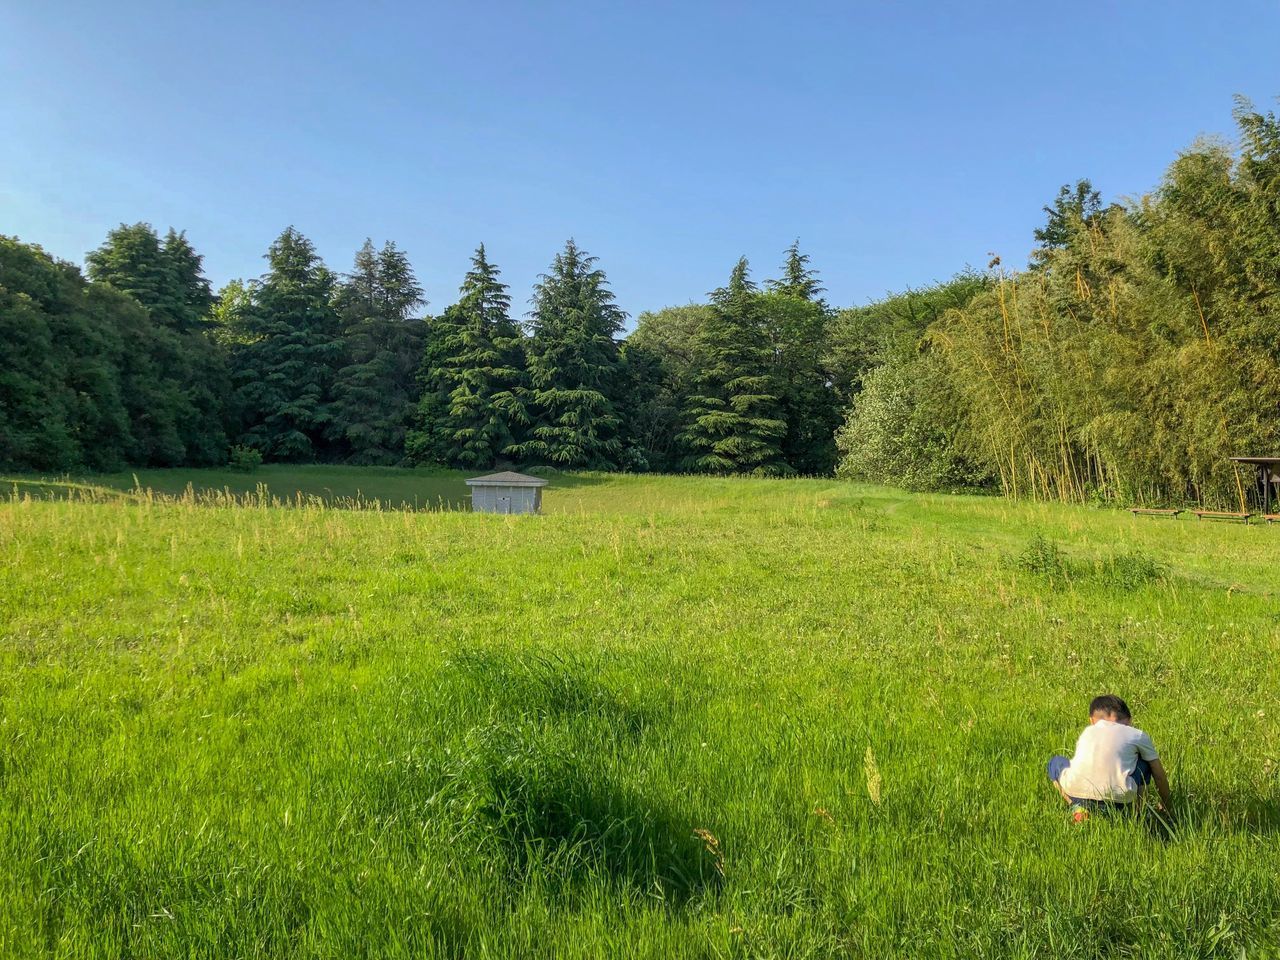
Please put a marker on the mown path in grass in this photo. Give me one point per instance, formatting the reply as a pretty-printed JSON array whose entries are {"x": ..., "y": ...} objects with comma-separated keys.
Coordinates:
[{"x": 672, "y": 717}]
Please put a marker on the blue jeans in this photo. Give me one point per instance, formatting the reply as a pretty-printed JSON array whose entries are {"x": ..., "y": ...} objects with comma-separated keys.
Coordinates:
[{"x": 1059, "y": 763}]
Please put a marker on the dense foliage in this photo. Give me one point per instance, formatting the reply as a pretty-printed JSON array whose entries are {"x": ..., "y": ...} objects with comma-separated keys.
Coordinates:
[
  {"x": 472, "y": 376},
  {"x": 1138, "y": 350},
  {"x": 1137, "y": 354},
  {"x": 573, "y": 364},
  {"x": 733, "y": 417},
  {"x": 375, "y": 389}
]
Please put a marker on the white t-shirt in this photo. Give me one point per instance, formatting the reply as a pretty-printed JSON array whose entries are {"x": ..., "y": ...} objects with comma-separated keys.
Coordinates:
[{"x": 1106, "y": 755}]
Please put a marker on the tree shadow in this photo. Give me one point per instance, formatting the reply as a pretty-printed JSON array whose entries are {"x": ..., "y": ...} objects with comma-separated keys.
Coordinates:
[
  {"x": 568, "y": 823},
  {"x": 541, "y": 687},
  {"x": 334, "y": 486}
]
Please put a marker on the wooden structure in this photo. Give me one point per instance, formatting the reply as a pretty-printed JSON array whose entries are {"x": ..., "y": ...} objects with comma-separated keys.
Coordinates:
[
  {"x": 1269, "y": 469},
  {"x": 506, "y": 492},
  {"x": 1222, "y": 515},
  {"x": 1153, "y": 512}
]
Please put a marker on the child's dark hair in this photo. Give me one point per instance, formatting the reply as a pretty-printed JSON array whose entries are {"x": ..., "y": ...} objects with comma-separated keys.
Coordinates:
[{"x": 1111, "y": 706}]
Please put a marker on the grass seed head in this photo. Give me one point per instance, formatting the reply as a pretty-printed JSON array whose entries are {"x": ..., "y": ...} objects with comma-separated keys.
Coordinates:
[{"x": 872, "y": 771}]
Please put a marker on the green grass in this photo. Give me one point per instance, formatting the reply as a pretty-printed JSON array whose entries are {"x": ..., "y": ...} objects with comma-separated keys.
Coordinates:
[
  {"x": 674, "y": 717},
  {"x": 393, "y": 487}
]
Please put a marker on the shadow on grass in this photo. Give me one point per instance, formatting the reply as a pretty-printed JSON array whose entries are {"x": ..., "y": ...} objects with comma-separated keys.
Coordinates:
[
  {"x": 561, "y": 819},
  {"x": 538, "y": 785},
  {"x": 567, "y": 481},
  {"x": 1228, "y": 812},
  {"x": 336, "y": 486},
  {"x": 1206, "y": 814},
  {"x": 543, "y": 687}
]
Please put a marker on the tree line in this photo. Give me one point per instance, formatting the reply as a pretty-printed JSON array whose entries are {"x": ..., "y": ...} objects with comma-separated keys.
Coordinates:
[
  {"x": 136, "y": 361},
  {"x": 1136, "y": 351}
]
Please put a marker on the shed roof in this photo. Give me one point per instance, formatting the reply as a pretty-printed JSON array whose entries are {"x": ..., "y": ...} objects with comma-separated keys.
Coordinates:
[{"x": 507, "y": 479}]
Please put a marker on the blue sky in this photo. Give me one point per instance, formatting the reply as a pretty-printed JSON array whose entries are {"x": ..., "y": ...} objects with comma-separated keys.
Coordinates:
[{"x": 898, "y": 141}]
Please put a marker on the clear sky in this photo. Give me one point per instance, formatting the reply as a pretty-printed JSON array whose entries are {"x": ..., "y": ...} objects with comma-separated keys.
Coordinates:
[{"x": 898, "y": 141}]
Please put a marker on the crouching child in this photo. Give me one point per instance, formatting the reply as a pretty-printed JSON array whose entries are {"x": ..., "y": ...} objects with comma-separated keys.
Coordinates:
[{"x": 1113, "y": 763}]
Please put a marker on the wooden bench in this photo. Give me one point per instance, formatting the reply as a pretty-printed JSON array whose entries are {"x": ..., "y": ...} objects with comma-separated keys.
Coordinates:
[
  {"x": 1271, "y": 517},
  {"x": 1221, "y": 515},
  {"x": 1152, "y": 512}
]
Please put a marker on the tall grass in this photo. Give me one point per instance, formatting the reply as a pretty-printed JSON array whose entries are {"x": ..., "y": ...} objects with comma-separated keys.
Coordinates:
[{"x": 673, "y": 717}]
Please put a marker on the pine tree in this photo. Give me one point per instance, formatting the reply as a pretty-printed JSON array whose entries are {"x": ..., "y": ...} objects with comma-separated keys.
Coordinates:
[
  {"x": 175, "y": 376},
  {"x": 190, "y": 297},
  {"x": 205, "y": 376},
  {"x": 798, "y": 279},
  {"x": 573, "y": 366},
  {"x": 132, "y": 260},
  {"x": 733, "y": 422},
  {"x": 472, "y": 376},
  {"x": 285, "y": 370},
  {"x": 376, "y": 391},
  {"x": 795, "y": 321}
]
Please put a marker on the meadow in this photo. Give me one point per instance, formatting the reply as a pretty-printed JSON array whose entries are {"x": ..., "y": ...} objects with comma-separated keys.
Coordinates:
[{"x": 673, "y": 717}]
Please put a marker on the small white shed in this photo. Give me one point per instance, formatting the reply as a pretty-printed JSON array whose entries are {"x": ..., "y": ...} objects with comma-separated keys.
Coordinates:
[{"x": 506, "y": 492}]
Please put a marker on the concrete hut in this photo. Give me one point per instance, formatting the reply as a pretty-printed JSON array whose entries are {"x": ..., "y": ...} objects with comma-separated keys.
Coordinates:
[{"x": 506, "y": 492}]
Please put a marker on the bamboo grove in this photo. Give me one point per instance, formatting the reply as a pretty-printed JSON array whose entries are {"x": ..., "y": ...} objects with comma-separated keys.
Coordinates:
[{"x": 1135, "y": 353}]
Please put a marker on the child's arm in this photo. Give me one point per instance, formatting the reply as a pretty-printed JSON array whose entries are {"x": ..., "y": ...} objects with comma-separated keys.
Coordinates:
[{"x": 1162, "y": 781}]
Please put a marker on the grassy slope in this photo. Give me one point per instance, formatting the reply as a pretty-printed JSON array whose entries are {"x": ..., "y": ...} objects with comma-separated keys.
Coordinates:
[{"x": 313, "y": 733}]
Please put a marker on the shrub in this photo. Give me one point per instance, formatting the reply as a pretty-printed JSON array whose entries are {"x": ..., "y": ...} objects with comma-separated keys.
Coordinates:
[
  {"x": 1044, "y": 558},
  {"x": 245, "y": 459},
  {"x": 904, "y": 429}
]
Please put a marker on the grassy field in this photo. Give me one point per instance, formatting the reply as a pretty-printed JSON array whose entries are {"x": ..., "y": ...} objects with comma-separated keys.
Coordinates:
[
  {"x": 392, "y": 487},
  {"x": 672, "y": 718}
]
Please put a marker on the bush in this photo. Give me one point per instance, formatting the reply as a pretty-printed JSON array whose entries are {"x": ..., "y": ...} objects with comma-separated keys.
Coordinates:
[
  {"x": 905, "y": 429},
  {"x": 245, "y": 459},
  {"x": 1044, "y": 558}
]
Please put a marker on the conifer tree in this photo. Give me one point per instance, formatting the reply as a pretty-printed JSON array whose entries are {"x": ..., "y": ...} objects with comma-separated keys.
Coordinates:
[
  {"x": 795, "y": 321},
  {"x": 733, "y": 421},
  {"x": 175, "y": 376},
  {"x": 284, "y": 371},
  {"x": 799, "y": 280},
  {"x": 659, "y": 364},
  {"x": 472, "y": 376},
  {"x": 376, "y": 391},
  {"x": 574, "y": 366}
]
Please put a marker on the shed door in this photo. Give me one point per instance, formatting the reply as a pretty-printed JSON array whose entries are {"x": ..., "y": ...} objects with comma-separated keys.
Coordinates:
[{"x": 503, "y": 504}]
